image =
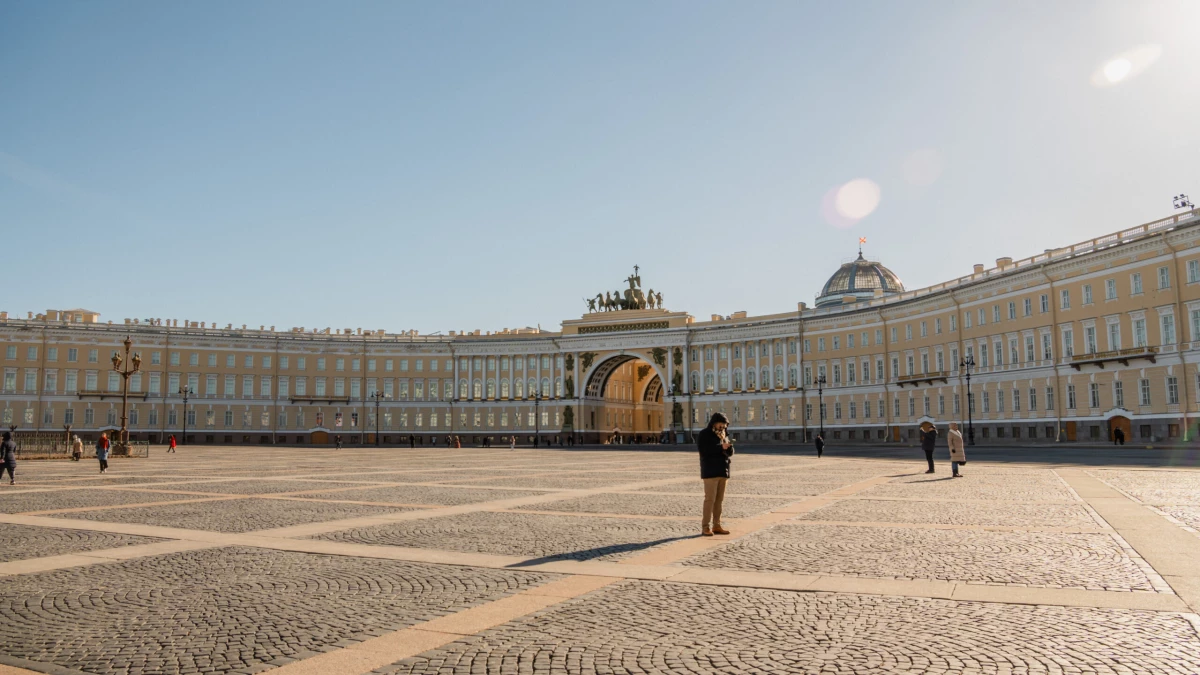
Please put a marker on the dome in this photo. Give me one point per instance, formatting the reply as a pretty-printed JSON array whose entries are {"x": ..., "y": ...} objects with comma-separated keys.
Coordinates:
[{"x": 860, "y": 278}]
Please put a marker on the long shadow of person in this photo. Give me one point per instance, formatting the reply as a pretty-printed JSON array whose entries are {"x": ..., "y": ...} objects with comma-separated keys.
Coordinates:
[{"x": 600, "y": 551}]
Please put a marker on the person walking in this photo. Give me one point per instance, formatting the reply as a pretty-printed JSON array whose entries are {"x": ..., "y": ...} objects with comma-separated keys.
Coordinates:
[
  {"x": 8, "y": 453},
  {"x": 77, "y": 449},
  {"x": 820, "y": 443},
  {"x": 929, "y": 436},
  {"x": 102, "y": 452},
  {"x": 958, "y": 453},
  {"x": 171, "y": 446},
  {"x": 337, "y": 442},
  {"x": 512, "y": 442},
  {"x": 457, "y": 442},
  {"x": 412, "y": 441},
  {"x": 715, "y": 452},
  {"x": 1118, "y": 436}
]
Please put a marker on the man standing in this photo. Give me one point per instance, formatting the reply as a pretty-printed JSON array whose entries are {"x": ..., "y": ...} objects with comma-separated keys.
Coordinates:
[
  {"x": 820, "y": 443},
  {"x": 8, "y": 454},
  {"x": 929, "y": 436},
  {"x": 715, "y": 452}
]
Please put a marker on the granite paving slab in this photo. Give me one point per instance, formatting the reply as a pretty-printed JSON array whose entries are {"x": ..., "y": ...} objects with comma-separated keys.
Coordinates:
[
  {"x": 530, "y": 535},
  {"x": 954, "y": 513},
  {"x": 22, "y": 542},
  {"x": 1053, "y": 560},
  {"x": 72, "y": 498},
  {"x": 657, "y": 505},
  {"x": 638, "y": 627}
]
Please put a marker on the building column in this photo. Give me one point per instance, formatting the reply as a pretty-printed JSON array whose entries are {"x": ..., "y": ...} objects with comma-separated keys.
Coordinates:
[
  {"x": 729, "y": 365},
  {"x": 771, "y": 361},
  {"x": 470, "y": 378}
]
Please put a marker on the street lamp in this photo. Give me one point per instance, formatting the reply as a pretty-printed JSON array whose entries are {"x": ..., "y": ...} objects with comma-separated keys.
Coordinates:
[
  {"x": 676, "y": 414},
  {"x": 537, "y": 417},
  {"x": 378, "y": 397},
  {"x": 967, "y": 364},
  {"x": 821, "y": 404},
  {"x": 136, "y": 362},
  {"x": 185, "y": 392}
]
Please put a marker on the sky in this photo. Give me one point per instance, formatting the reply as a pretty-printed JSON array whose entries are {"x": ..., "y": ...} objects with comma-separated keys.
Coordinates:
[{"x": 486, "y": 165}]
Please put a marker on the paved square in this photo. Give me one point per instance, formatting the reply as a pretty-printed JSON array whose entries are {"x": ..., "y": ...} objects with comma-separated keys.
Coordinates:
[{"x": 465, "y": 561}]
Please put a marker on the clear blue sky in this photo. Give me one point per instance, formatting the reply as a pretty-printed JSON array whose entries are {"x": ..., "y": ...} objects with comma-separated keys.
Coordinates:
[{"x": 462, "y": 165}]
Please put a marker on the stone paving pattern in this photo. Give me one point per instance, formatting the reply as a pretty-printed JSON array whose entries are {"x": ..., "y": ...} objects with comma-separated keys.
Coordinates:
[
  {"x": 656, "y": 505},
  {"x": 20, "y": 542},
  {"x": 79, "y": 498},
  {"x": 236, "y": 609},
  {"x": 647, "y": 627},
  {"x": 227, "y": 610},
  {"x": 1058, "y": 560},
  {"x": 954, "y": 513},
  {"x": 234, "y": 515},
  {"x": 527, "y": 535}
]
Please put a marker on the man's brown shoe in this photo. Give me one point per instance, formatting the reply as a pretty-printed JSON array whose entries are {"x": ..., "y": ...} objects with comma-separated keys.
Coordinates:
[
  {"x": 706, "y": 533},
  {"x": 720, "y": 530}
]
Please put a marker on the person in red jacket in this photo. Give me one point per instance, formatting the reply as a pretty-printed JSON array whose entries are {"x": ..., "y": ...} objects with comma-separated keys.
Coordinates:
[{"x": 172, "y": 446}]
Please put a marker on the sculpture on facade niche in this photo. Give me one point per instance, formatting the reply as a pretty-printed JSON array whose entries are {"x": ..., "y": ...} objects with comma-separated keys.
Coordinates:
[
  {"x": 643, "y": 371},
  {"x": 586, "y": 359},
  {"x": 569, "y": 384},
  {"x": 677, "y": 381},
  {"x": 678, "y": 357},
  {"x": 660, "y": 356},
  {"x": 569, "y": 361}
]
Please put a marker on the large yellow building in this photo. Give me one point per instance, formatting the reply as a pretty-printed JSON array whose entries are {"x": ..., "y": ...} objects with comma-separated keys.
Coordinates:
[{"x": 1068, "y": 345}]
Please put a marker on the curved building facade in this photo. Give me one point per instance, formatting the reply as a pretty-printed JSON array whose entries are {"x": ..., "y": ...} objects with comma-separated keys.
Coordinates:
[{"x": 1067, "y": 345}]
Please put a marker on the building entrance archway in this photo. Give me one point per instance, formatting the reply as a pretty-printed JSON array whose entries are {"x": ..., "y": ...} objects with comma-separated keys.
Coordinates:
[{"x": 623, "y": 402}]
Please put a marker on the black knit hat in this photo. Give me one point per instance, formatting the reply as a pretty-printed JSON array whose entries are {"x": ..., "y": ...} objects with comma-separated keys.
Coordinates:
[{"x": 717, "y": 417}]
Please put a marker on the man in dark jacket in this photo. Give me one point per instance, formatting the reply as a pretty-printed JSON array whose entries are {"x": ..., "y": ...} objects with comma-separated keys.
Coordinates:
[
  {"x": 928, "y": 439},
  {"x": 820, "y": 443},
  {"x": 8, "y": 455},
  {"x": 715, "y": 451}
]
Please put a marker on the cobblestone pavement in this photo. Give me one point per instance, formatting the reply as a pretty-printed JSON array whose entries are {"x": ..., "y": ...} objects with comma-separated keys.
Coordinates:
[
  {"x": 525, "y": 534},
  {"x": 1059, "y": 560},
  {"x": 234, "y": 515},
  {"x": 78, "y": 497},
  {"x": 954, "y": 513},
  {"x": 656, "y": 505},
  {"x": 647, "y": 627},
  {"x": 20, "y": 542},
  {"x": 1041, "y": 584},
  {"x": 226, "y": 610}
]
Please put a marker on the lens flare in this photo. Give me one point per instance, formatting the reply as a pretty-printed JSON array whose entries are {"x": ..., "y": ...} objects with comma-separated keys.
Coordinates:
[
  {"x": 857, "y": 199},
  {"x": 1125, "y": 66}
]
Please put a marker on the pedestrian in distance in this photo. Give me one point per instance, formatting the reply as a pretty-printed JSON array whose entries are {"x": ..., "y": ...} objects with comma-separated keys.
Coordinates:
[
  {"x": 8, "y": 453},
  {"x": 958, "y": 453},
  {"x": 820, "y": 443},
  {"x": 102, "y": 452},
  {"x": 716, "y": 449},
  {"x": 412, "y": 441},
  {"x": 1118, "y": 436},
  {"x": 929, "y": 436},
  {"x": 337, "y": 442},
  {"x": 512, "y": 442},
  {"x": 77, "y": 449},
  {"x": 171, "y": 444},
  {"x": 457, "y": 442}
]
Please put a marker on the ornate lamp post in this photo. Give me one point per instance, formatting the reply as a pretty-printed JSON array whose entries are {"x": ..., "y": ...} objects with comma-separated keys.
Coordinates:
[
  {"x": 676, "y": 422},
  {"x": 537, "y": 417},
  {"x": 136, "y": 362},
  {"x": 967, "y": 364},
  {"x": 185, "y": 392},
  {"x": 821, "y": 403},
  {"x": 378, "y": 397}
]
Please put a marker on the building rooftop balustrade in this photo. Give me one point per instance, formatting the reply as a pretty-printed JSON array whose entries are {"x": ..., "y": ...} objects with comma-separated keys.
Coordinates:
[{"x": 1121, "y": 356}]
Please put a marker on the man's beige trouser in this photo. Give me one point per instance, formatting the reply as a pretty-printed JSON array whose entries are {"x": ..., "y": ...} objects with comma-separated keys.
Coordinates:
[{"x": 714, "y": 494}]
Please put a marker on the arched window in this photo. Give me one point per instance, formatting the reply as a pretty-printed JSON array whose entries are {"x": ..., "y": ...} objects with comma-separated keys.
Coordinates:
[
  {"x": 778, "y": 373},
  {"x": 793, "y": 378},
  {"x": 695, "y": 381},
  {"x": 520, "y": 389},
  {"x": 477, "y": 389},
  {"x": 708, "y": 380},
  {"x": 764, "y": 379},
  {"x": 737, "y": 379},
  {"x": 462, "y": 388},
  {"x": 724, "y": 379},
  {"x": 531, "y": 386},
  {"x": 504, "y": 390},
  {"x": 750, "y": 379},
  {"x": 491, "y": 388},
  {"x": 558, "y": 387},
  {"x": 546, "y": 387}
]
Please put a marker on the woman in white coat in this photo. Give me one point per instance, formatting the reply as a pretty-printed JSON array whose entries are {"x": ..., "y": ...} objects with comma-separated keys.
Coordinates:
[{"x": 958, "y": 454}]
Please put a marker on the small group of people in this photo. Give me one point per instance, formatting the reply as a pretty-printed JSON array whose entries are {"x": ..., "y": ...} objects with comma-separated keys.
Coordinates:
[{"x": 954, "y": 440}]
